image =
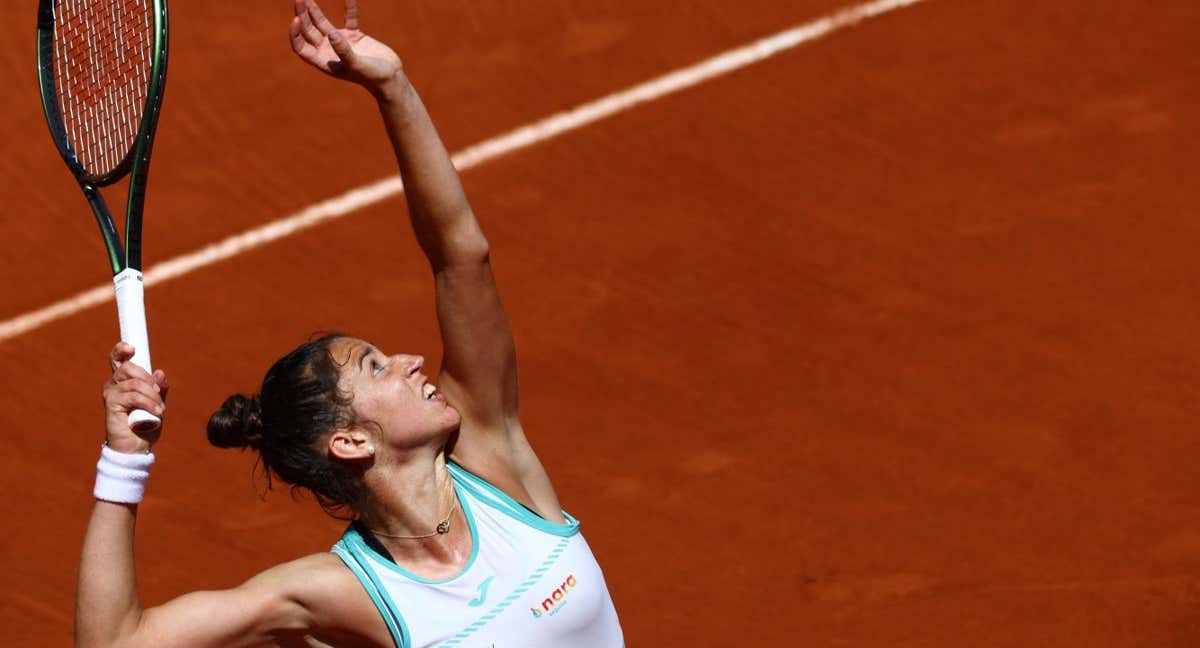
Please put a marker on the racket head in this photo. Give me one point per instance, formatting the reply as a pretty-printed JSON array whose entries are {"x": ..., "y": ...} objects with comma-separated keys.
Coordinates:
[{"x": 102, "y": 71}]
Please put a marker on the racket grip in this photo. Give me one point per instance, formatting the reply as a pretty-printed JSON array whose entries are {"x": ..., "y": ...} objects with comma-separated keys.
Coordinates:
[{"x": 131, "y": 311}]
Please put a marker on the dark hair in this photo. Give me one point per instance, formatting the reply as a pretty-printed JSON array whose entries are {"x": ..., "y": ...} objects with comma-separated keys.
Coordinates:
[{"x": 298, "y": 404}]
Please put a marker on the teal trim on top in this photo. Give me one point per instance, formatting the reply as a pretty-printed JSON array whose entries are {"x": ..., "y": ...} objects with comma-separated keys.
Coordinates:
[
  {"x": 378, "y": 593},
  {"x": 504, "y": 503},
  {"x": 355, "y": 540}
]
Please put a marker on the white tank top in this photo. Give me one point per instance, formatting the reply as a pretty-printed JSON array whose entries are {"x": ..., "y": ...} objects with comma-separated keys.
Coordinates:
[{"x": 529, "y": 582}]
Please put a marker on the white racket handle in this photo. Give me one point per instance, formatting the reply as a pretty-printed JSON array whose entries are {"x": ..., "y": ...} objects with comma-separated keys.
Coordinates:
[{"x": 131, "y": 311}]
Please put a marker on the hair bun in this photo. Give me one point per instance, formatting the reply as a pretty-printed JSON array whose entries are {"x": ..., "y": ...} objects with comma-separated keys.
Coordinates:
[{"x": 238, "y": 424}]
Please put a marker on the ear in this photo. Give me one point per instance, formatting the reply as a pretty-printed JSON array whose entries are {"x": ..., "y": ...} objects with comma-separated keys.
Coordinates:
[{"x": 351, "y": 445}]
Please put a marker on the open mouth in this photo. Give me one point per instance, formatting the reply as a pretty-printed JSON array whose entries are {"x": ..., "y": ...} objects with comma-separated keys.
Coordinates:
[{"x": 430, "y": 391}]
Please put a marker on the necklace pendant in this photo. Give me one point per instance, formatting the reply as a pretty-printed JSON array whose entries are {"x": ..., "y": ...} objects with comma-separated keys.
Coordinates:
[{"x": 443, "y": 527}]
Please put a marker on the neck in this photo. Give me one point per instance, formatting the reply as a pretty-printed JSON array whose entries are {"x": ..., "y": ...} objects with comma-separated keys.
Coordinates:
[{"x": 410, "y": 499}]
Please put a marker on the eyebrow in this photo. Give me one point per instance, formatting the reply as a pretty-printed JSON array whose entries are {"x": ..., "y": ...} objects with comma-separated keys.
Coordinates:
[{"x": 366, "y": 352}]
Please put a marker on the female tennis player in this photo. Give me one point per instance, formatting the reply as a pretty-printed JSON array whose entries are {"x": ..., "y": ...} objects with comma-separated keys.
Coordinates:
[{"x": 457, "y": 536}]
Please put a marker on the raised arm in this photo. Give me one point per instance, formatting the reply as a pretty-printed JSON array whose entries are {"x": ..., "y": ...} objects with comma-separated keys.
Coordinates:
[
  {"x": 478, "y": 346},
  {"x": 106, "y": 599},
  {"x": 310, "y": 597},
  {"x": 479, "y": 369}
]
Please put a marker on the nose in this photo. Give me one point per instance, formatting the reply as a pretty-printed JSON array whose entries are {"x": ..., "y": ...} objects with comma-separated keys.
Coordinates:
[{"x": 412, "y": 364}]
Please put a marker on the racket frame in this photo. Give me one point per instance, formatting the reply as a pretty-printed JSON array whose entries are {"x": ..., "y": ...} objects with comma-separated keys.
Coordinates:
[
  {"x": 125, "y": 260},
  {"x": 136, "y": 162}
]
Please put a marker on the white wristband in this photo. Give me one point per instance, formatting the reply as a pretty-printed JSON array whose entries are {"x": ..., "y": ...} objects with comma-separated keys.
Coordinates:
[{"x": 121, "y": 477}]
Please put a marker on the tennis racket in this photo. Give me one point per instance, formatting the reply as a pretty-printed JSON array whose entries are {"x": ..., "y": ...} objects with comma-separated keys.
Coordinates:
[{"x": 102, "y": 66}]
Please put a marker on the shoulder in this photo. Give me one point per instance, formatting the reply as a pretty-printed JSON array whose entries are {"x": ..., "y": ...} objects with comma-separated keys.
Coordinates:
[
  {"x": 515, "y": 471},
  {"x": 318, "y": 581},
  {"x": 321, "y": 589},
  {"x": 315, "y": 571}
]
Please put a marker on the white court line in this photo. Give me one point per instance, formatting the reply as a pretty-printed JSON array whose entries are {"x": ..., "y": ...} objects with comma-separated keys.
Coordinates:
[{"x": 520, "y": 138}]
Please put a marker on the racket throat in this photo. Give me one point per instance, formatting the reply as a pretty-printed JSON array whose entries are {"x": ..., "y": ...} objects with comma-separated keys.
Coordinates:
[{"x": 112, "y": 240}]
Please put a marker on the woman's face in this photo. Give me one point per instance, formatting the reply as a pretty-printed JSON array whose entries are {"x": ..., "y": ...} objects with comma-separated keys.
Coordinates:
[{"x": 392, "y": 392}]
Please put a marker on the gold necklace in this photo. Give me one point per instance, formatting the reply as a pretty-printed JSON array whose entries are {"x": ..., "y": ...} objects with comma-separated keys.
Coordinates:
[{"x": 442, "y": 527}]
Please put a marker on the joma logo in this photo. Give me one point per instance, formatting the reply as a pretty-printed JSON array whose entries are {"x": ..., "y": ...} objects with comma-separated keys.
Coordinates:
[{"x": 553, "y": 603}]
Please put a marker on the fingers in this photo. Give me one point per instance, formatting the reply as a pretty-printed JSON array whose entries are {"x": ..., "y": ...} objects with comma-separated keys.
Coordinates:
[
  {"x": 318, "y": 18},
  {"x": 125, "y": 370},
  {"x": 141, "y": 394},
  {"x": 131, "y": 394},
  {"x": 164, "y": 385},
  {"x": 121, "y": 352},
  {"x": 296, "y": 37},
  {"x": 351, "y": 14},
  {"x": 341, "y": 46},
  {"x": 307, "y": 29},
  {"x": 301, "y": 46},
  {"x": 337, "y": 41},
  {"x": 129, "y": 389},
  {"x": 310, "y": 29}
]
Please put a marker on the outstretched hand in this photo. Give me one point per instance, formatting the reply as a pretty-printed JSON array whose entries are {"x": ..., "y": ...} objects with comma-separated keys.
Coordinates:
[{"x": 345, "y": 53}]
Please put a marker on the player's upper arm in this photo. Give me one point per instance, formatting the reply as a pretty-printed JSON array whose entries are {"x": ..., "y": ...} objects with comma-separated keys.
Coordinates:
[
  {"x": 478, "y": 354},
  {"x": 279, "y": 607},
  {"x": 249, "y": 615},
  {"x": 479, "y": 377}
]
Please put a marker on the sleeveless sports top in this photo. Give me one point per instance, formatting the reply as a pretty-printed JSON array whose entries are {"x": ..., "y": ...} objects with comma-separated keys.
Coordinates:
[{"x": 529, "y": 582}]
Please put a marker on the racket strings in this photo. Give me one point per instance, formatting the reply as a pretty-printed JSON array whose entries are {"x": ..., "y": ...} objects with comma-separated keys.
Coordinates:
[{"x": 103, "y": 51}]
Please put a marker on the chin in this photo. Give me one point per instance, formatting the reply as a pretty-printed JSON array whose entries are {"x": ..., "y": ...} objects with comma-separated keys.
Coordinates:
[{"x": 453, "y": 419}]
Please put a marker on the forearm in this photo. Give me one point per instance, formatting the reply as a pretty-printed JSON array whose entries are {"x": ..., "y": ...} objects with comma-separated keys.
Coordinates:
[
  {"x": 108, "y": 613},
  {"x": 107, "y": 605},
  {"x": 441, "y": 216},
  {"x": 107, "y": 608}
]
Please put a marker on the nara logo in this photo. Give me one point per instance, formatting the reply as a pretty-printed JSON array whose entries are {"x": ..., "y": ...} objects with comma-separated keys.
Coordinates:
[{"x": 555, "y": 602}]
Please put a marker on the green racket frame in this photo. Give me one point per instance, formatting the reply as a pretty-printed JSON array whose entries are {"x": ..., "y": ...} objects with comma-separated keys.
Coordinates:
[
  {"x": 136, "y": 160},
  {"x": 125, "y": 260}
]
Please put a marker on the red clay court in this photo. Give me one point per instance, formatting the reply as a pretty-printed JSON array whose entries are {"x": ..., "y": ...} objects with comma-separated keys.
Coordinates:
[{"x": 887, "y": 340}]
